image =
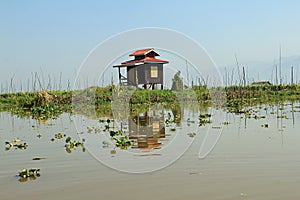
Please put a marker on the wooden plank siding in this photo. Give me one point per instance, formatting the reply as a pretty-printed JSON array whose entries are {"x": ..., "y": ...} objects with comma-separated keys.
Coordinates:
[{"x": 142, "y": 74}]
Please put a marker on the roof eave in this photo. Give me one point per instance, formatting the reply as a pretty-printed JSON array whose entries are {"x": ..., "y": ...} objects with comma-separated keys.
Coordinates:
[
  {"x": 126, "y": 65},
  {"x": 162, "y": 62}
]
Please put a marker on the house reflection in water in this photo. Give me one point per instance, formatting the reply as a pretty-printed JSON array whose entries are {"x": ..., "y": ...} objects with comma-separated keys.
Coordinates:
[{"x": 147, "y": 129}]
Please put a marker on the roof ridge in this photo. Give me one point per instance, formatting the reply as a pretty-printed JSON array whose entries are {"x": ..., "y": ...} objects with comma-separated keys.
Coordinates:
[{"x": 143, "y": 52}]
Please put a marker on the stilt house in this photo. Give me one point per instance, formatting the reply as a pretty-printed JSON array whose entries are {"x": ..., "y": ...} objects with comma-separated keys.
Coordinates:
[{"x": 145, "y": 69}]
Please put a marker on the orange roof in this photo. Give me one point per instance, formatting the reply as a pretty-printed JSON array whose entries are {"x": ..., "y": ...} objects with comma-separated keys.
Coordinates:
[
  {"x": 142, "y": 61},
  {"x": 143, "y": 52}
]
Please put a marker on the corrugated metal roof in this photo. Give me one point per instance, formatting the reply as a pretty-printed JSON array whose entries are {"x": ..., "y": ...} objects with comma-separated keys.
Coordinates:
[
  {"x": 143, "y": 52},
  {"x": 142, "y": 61}
]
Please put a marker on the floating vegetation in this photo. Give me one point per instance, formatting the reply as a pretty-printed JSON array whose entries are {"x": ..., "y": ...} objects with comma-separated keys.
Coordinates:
[
  {"x": 21, "y": 146},
  {"x": 282, "y": 117},
  {"x": 106, "y": 128},
  {"x": 206, "y": 115},
  {"x": 59, "y": 135},
  {"x": 105, "y": 144},
  {"x": 25, "y": 173},
  {"x": 203, "y": 119},
  {"x": 295, "y": 111},
  {"x": 243, "y": 111},
  {"x": 172, "y": 118},
  {"x": 123, "y": 142},
  {"x": 203, "y": 122},
  {"x": 50, "y": 104},
  {"x": 72, "y": 145},
  {"x": 101, "y": 121},
  {"x": 115, "y": 133},
  {"x": 169, "y": 116},
  {"x": 91, "y": 129},
  {"x": 259, "y": 117},
  {"x": 113, "y": 151},
  {"x": 225, "y": 123},
  {"x": 10, "y": 145},
  {"x": 177, "y": 117},
  {"x": 16, "y": 140},
  {"x": 193, "y": 134},
  {"x": 105, "y": 120}
]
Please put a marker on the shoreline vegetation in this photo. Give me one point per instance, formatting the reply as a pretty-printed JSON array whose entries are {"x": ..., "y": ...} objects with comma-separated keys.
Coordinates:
[{"x": 45, "y": 105}]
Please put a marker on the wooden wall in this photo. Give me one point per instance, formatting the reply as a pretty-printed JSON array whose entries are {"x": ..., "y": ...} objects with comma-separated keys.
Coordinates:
[{"x": 142, "y": 74}]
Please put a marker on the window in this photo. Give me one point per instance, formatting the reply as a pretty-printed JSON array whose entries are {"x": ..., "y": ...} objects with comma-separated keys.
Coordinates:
[{"x": 154, "y": 72}]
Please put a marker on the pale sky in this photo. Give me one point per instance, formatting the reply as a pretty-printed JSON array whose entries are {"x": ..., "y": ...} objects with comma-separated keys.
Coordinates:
[{"x": 53, "y": 37}]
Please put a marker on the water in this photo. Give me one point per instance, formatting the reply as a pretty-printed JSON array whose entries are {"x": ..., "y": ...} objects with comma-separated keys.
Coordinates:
[{"x": 249, "y": 161}]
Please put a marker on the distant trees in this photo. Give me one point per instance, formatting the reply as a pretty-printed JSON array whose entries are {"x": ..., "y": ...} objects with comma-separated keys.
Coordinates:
[{"x": 177, "y": 82}]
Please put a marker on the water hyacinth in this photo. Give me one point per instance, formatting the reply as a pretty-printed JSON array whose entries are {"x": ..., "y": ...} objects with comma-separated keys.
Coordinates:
[
  {"x": 9, "y": 145},
  {"x": 25, "y": 173},
  {"x": 123, "y": 142},
  {"x": 72, "y": 145}
]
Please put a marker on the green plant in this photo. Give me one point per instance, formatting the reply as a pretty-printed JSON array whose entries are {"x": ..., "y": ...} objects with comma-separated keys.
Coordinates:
[
  {"x": 24, "y": 173},
  {"x": 123, "y": 142},
  {"x": 72, "y": 145}
]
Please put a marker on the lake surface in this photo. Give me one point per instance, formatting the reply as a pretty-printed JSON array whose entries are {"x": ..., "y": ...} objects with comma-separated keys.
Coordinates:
[{"x": 257, "y": 156}]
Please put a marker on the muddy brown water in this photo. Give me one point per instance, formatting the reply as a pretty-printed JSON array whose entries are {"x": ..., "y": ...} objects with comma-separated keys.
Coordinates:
[{"x": 248, "y": 162}]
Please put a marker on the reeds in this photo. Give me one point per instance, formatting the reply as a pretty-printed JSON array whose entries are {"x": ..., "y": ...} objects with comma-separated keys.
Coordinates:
[{"x": 36, "y": 82}]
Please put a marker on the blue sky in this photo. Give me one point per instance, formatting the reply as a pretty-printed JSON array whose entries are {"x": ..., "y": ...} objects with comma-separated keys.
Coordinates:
[{"x": 56, "y": 36}]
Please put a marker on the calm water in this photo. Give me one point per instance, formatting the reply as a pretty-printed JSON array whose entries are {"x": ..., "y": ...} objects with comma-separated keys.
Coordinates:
[{"x": 250, "y": 160}]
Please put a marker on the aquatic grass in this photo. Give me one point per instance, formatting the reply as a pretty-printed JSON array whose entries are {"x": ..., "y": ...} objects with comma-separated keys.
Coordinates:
[
  {"x": 97, "y": 100},
  {"x": 38, "y": 105}
]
